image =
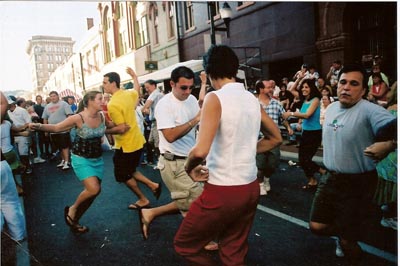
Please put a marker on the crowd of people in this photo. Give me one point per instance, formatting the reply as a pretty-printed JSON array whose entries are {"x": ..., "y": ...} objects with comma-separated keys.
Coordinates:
[{"x": 208, "y": 151}]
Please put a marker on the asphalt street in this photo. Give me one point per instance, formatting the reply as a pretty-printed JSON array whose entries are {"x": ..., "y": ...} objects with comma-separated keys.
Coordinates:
[{"x": 279, "y": 236}]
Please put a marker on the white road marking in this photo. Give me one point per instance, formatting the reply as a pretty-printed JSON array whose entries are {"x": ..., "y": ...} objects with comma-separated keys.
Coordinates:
[{"x": 365, "y": 247}]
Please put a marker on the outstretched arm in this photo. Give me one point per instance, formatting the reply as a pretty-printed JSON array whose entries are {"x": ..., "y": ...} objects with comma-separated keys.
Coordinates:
[{"x": 65, "y": 125}]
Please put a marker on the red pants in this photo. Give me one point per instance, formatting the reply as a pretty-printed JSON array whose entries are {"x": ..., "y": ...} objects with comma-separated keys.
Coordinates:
[{"x": 225, "y": 213}]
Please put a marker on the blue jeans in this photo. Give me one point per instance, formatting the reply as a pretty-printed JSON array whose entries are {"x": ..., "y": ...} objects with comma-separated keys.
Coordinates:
[{"x": 11, "y": 209}]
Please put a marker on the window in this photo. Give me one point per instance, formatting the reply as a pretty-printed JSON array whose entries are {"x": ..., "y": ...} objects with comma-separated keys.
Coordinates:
[
  {"x": 155, "y": 24},
  {"x": 214, "y": 9},
  {"x": 170, "y": 19},
  {"x": 244, "y": 4},
  {"x": 189, "y": 19},
  {"x": 141, "y": 32},
  {"x": 95, "y": 55}
]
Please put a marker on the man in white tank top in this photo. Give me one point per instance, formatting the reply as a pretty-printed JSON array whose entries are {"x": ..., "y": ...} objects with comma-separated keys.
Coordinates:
[{"x": 228, "y": 140}]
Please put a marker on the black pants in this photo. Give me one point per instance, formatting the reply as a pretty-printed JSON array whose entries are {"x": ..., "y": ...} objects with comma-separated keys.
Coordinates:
[{"x": 309, "y": 143}]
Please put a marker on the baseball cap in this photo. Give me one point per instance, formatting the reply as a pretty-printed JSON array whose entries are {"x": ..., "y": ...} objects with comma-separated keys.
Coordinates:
[{"x": 11, "y": 99}]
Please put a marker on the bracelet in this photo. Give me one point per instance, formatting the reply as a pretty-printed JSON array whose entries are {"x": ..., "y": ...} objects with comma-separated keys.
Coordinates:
[
  {"x": 291, "y": 113},
  {"x": 190, "y": 124}
]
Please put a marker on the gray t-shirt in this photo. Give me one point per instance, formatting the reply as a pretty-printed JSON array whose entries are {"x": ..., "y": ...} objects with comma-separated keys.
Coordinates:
[
  {"x": 56, "y": 112},
  {"x": 155, "y": 96},
  {"x": 347, "y": 132}
]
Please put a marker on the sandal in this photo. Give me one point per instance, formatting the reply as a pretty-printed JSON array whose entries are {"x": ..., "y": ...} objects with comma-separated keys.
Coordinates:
[
  {"x": 157, "y": 191},
  {"x": 73, "y": 225}
]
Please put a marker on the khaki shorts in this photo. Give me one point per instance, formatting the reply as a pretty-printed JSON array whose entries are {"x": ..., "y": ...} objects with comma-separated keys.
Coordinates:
[{"x": 183, "y": 189}]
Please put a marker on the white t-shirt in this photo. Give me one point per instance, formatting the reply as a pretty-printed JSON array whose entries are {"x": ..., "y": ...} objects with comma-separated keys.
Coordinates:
[
  {"x": 171, "y": 112},
  {"x": 155, "y": 97},
  {"x": 19, "y": 116}
]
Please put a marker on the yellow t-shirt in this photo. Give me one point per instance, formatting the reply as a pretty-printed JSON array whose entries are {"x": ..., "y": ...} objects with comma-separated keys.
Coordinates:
[{"x": 121, "y": 109}]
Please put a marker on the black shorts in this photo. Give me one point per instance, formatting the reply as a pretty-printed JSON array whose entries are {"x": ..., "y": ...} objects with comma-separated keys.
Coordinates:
[
  {"x": 341, "y": 200},
  {"x": 61, "y": 140},
  {"x": 125, "y": 164}
]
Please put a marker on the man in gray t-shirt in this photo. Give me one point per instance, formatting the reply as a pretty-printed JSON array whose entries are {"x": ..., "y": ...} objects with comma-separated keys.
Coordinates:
[
  {"x": 55, "y": 112},
  {"x": 350, "y": 126},
  {"x": 148, "y": 109}
]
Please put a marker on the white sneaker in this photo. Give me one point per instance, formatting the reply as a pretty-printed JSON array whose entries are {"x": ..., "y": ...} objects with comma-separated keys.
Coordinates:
[
  {"x": 61, "y": 164},
  {"x": 38, "y": 160},
  {"x": 267, "y": 185},
  {"x": 389, "y": 223},
  {"x": 66, "y": 166},
  {"x": 262, "y": 190},
  {"x": 339, "y": 251}
]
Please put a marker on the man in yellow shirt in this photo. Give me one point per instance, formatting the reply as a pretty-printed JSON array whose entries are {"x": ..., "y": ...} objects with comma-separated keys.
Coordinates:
[{"x": 129, "y": 145}]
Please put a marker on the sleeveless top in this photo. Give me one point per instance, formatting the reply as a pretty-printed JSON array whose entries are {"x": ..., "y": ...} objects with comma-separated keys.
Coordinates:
[
  {"x": 87, "y": 142},
  {"x": 232, "y": 157},
  {"x": 313, "y": 122}
]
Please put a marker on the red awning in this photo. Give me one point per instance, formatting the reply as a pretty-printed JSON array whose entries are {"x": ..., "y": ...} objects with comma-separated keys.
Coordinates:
[{"x": 68, "y": 92}]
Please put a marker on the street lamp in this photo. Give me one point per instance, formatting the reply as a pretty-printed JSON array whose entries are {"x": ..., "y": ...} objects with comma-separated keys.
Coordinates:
[{"x": 225, "y": 13}]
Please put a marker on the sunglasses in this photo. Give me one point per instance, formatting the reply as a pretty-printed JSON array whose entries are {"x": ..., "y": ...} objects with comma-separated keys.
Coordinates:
[{"x": 186, "y": 87}]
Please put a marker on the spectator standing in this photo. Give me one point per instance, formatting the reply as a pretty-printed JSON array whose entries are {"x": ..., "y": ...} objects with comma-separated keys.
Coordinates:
[
  {"x": 333, "y": 75},
  {"x": 226, "y": 138},
  {"x": 350, "y": 181},
  {"x": 72, "y": 103},
  {"x": 21, "y": 118},
  {"x": 148, "y": 109},
  {"x": 128, "y": 146},
  {"x": 311, "y": 131},
  {"x": 55, "y": 112},
  {"x": 42, "y": 141}
]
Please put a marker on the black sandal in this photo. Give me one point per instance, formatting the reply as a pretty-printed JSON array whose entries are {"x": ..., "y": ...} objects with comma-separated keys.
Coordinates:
[{"x": 73, "y": 225}]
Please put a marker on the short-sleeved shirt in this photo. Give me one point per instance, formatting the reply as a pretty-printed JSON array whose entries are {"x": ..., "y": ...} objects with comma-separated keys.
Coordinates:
[
  {"x": 19, "y": 116},
  {"x": 347, "y": 132},
  {"x": 171, "y": 112},
  {"x": 121, "y": 109},
  {"x": 56, "y": 112},
  {"x": 274, "y": 109}
]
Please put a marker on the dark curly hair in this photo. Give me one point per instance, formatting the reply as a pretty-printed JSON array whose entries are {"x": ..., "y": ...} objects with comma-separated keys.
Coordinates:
[
  {"x": 221, "y": 62},
  {"x": 314, "y": 92}
]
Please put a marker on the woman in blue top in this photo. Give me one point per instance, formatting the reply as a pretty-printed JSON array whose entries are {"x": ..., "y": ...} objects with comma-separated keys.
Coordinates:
[
  {"x": 86, "y": 156},
  {"x": 312, "y": 132}
]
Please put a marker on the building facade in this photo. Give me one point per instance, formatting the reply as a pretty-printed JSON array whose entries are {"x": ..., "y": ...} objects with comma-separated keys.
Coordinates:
[
  {"x": 46, "y": 54},
  {"x": 271, "y": 39}
]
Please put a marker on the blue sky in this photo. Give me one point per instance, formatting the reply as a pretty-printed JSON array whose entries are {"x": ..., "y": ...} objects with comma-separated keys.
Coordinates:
[{"x": 20, "y": 20}]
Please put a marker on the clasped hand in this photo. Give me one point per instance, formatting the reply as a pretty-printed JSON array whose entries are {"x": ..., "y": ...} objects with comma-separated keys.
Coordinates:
[{"x": 199, "y": 173}]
